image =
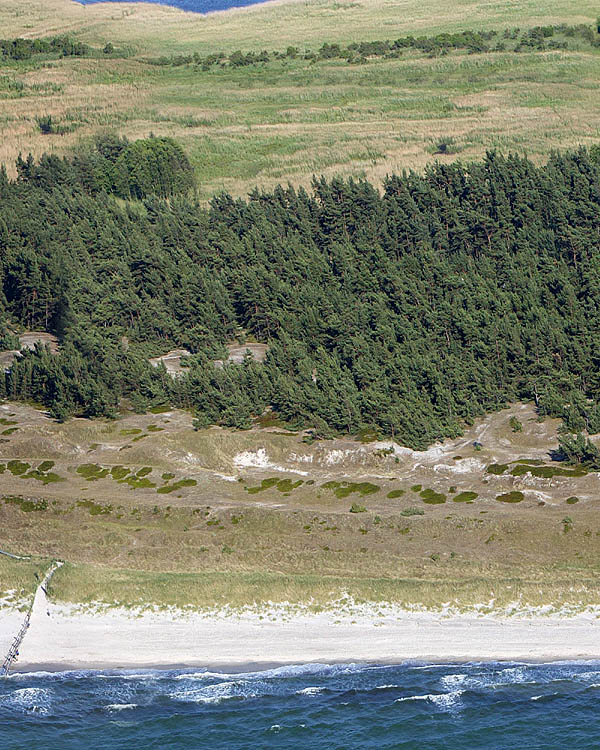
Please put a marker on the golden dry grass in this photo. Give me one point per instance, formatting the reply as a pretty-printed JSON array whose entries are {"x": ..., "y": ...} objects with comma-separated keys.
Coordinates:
[{"x": 151, "y": 27}]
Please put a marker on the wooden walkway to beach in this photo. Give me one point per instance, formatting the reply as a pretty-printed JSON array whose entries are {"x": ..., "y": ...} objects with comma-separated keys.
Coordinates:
[{"x": 13, "y": 651}]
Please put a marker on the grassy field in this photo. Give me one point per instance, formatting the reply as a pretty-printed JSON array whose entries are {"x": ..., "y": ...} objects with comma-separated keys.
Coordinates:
[{"x": 287, "y": 120}]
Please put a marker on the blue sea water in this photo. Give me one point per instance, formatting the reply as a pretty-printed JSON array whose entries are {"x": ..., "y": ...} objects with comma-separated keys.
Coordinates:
[
  {"x": 495, "y": 706},
  {"x": 196, "y": 6}
]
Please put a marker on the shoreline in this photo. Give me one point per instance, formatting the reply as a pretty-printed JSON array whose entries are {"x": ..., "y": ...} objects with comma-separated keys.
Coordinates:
[
  {"x": 255, "y": 668},
  {"x": 59, "y": 639}
]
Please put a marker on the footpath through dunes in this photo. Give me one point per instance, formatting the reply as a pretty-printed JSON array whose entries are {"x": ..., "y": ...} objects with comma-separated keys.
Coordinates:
[{"x": 32, "y": 616}]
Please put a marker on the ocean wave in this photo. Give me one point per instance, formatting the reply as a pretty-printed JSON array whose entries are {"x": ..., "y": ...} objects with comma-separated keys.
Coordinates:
[
  {"x": 217, "y": 693},
  {"x": 310, "y": 691},
  {"x": 445, "y": 701},
  {"x": 286, "y": 671},
  {"x": 517, "y": 675},
  {"x": 120, "y": 706}
]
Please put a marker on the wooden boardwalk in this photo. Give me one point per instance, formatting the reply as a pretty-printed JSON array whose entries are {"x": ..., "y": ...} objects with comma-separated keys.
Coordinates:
[{"x": 13, "y": 651}]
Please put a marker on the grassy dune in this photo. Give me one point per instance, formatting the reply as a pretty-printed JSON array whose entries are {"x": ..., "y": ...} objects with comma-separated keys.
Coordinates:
[
  {"x": 89, "y": 585},
  {"x": 18, "y": 578},
  {"x": 287, "y": 120}
]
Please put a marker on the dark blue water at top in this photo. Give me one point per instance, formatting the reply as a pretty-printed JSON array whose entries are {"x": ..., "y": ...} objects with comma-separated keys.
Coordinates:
[
  {"x": 496, "y": 706},
  {"x": 196, "y": 6}
]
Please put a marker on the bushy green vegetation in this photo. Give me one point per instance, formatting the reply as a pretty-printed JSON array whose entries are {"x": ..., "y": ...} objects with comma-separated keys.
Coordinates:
[
  {"x": 58, "y": 46},
  {"x": 537, "y": 38},
  {"x": 465, "y": 284},
  {"x": 578, "y": 449}
]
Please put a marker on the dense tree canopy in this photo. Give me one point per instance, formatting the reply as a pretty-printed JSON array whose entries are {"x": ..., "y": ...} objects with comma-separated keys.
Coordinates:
[{"x": 411, "y": 311}]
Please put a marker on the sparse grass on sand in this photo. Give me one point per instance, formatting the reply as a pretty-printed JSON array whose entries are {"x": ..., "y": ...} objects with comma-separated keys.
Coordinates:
[
  {"x": 90, "y": 585},
  {"x": 288, "y": 120},
  {"x": 19, "y": 577}
]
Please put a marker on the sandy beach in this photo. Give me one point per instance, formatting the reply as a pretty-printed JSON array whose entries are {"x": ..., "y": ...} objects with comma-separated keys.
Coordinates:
[{"x": 60, "y": 638}]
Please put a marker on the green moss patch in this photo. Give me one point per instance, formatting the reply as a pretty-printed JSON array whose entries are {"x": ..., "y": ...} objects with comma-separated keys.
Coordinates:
[
  {"x": 572, "y": 500},
  {"x": 465, "y": 497},
  {"x": 137, "y": 483},
  {"x": 143, "y": 472},
  {"x": 154, "y": 428},
  {"x": 416, "y": 488},
  {"x": 496, "y": 469},
  {"x": 7, "y": 422},
  {"x": 431, "y": 497},
  {"x": 161, "y": 409},
  {"x": 43, "y": 476},
  {"x": 91, "y": 472},
  {"x": 286, "y": 485},
  {"x": 343, "y": 489},
  {"x": 176, "y": 486},
  {"x": 10, "y": 430},
  {"x": 119, "y": 472},
  {"x": 46, "y": 466},
  {"x": 17, "y": 467},
  {"x": 548, "y": 472},
  {"x": 395, "y": 493},
  {"x": 167, "y": 476},
  {"x": 130, "y": 431},
  {"x": 510, "y": 497},
  {"x": 264, "y": 485}
]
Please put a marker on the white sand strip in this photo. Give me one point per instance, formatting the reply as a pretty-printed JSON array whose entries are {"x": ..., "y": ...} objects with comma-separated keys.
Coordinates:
[{"x": 115, "y": 639}]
